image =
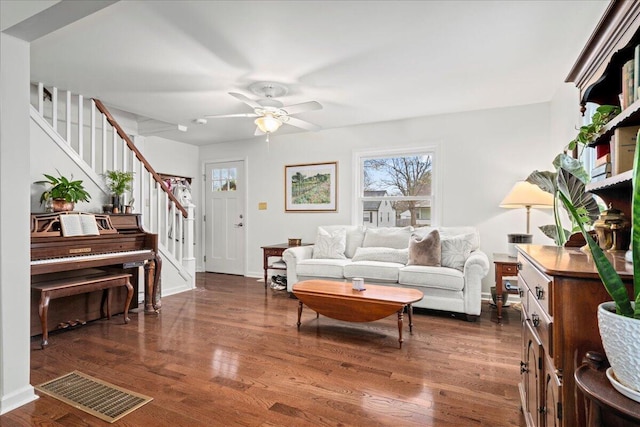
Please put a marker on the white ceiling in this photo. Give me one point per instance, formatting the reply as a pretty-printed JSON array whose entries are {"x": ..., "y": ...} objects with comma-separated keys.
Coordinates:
[{"x": 364, "y": 61}]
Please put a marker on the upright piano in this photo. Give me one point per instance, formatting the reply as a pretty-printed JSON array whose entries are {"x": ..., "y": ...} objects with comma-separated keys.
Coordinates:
[{"x": 122, "y": 245}]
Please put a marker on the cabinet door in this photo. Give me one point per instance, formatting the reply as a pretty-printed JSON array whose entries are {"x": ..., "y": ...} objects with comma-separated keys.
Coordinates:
[
  {"x": 553, "y": 405},
  {"x": 532, "y": 375}
]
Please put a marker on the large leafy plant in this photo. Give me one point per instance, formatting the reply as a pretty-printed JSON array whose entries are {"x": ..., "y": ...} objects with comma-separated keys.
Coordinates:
[
  {"x": 570, "y": 175},
  {"x": 63, "y": 188},
  {"x": 610, "y": 278}
]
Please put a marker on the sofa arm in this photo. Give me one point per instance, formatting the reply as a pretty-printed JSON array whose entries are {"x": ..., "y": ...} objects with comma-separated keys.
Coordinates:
[
  {"x": 291, "y": 257},
  {"x": 476, "y": 267}
]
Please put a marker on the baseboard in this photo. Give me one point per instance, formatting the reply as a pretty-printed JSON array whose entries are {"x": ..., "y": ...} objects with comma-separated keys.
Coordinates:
[{"x": 17, "y": 399}]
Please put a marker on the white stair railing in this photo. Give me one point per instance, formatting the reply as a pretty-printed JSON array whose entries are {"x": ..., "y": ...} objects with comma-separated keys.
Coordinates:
[{"x": 104, "y": 145}]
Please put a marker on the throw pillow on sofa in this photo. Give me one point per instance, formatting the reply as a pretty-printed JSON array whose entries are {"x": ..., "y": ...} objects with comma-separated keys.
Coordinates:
[
  {"x": 425, "y": 250},
  {"x": 330, "y": 245},
  {"x": 387, "y": 237},
  {"x": 456, "y": 250},
  {"x": 399, "y": 256}
]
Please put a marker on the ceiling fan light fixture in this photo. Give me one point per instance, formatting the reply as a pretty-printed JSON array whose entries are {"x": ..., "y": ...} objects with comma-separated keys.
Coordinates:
[{"x": 268, "y": 123}]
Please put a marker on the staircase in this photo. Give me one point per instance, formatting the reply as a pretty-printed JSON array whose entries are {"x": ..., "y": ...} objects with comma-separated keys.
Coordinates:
[{"x": 88, "y": 134}]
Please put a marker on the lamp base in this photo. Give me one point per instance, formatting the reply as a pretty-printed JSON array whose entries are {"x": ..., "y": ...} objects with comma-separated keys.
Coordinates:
[{"x": 517, "y": 239}]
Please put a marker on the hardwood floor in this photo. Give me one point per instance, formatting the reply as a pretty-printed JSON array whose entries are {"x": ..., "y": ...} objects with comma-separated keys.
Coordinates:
[{"x": 228, "y": 353}]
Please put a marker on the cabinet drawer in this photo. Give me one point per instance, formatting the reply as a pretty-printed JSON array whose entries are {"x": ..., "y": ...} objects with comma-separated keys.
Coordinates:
[
  {"x": 509, "y": 270},
  {"x": 540, "y": 322},
  {"x": 539, "y": 285}
]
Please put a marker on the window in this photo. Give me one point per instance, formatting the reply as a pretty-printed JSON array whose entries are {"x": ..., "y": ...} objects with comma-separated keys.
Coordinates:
[
  {"x": 223, "y": 179},
  {"x": 397, "y": 187}
]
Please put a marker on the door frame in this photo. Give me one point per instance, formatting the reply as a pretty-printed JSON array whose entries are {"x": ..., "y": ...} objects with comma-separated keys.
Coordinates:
[{"x": 247, "y": 216}]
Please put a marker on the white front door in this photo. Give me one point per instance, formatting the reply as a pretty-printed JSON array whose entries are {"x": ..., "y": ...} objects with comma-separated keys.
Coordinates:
[{"x": 225, "y": 217}]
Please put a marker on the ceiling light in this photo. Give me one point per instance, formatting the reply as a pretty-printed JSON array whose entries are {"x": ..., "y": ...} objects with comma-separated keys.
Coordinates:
[{"x": 268, "y": 123}]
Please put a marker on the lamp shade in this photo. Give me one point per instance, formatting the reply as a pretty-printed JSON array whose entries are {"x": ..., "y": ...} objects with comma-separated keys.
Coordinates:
[
  {"x": 524, "y": 194},
  {"x": 268, "y": 123}
]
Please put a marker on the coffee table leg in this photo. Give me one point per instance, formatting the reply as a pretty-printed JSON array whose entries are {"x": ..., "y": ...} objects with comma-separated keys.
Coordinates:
[
  {"x": 410, "y": 312},
  {"x": 299, "y": 312},
  {"x": 400, "y": 317}
]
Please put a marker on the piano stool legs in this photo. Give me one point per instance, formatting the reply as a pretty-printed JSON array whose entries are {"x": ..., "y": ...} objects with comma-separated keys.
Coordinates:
[{"x": 59, "y": 288}]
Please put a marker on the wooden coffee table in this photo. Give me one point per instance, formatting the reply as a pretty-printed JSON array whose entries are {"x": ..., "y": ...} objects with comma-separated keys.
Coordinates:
[{"x": 338, "y": 300}]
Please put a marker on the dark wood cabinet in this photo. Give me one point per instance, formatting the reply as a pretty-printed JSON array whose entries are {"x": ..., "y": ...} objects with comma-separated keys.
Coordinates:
[
  {"x": 598, "y": 75},
  {"x": 561, "y": 293}
]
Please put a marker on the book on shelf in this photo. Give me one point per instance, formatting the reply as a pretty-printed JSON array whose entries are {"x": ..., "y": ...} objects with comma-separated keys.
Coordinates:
[
  {"x": 78, "y": 225},
  {"x": 603, "y": 159},
  {"x": 603, "y": 169},
  {"x": 627, "y": 84},
  {"x": 623, "y": 148},
  {"x": 636, "y": 75}
]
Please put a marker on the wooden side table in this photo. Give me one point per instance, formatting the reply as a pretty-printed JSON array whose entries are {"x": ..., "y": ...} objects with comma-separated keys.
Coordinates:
[
  {"x": 505, "y": 266},
  {"x": 275, "y": 250},
  {"x": 605, "y": 406}
]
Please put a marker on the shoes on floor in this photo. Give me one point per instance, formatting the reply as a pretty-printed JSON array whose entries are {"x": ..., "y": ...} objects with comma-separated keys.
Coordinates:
[{"x": 279, "y": 283}]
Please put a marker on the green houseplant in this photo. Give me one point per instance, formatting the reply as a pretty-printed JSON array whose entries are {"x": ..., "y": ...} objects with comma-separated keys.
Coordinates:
[
  {"x": 118, "y": 182},
  {"x": 623, "y": 351},
  {"x": 63, "y": 193}
]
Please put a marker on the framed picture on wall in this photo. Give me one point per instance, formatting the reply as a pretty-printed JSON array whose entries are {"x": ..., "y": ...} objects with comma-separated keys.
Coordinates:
[{"x": 311, "y": 187}]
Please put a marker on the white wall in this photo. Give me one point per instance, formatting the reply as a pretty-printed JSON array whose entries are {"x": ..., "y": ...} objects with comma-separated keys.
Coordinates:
[
  {"x": 49, "y": 158},
  {"x": 15, "y": 293},
  {"x": 482, "y": 154}
]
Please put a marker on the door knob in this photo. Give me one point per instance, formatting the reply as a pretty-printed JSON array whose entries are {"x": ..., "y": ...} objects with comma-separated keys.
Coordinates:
[{"x": 238, "y": 225}]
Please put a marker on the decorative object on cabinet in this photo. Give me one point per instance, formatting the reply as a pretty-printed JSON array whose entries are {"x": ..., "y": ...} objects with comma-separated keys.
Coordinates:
[
  {"x": 64, "y": 192},
  {"x": 311, "y": 187},
  {"x": 118, "y": 182}
]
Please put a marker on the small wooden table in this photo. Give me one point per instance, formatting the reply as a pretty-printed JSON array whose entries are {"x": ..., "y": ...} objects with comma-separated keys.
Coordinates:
[
  {"x": 274, "y": 251},
  {"x": 504, "y": 266},
  {"x": 605, "y": 406},
  {"x": 338, "y": 300}
]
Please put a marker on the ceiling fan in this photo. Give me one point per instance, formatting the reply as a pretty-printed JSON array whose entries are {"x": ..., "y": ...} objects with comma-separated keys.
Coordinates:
[{"x": 270, "y": 113}]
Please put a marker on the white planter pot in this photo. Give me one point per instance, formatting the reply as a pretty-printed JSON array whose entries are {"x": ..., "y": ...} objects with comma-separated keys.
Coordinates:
[{"x": 621, "y": 340}]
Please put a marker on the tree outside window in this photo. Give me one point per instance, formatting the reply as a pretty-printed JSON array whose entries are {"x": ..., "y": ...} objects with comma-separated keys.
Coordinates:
[{"x": 405, "y": 181}]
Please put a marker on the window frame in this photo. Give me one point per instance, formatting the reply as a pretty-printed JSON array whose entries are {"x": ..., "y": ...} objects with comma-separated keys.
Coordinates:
[{"x": 358, "y": 179}]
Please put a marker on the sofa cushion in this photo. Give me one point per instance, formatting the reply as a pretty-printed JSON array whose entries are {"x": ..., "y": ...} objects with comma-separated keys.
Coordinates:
[
  {"x": 453, "y": 231},
  {"x": 330, "y": 245},
  {"x": 373, "y": 270},
  {"x": 354, "y": 236},
  {"x": 431, "y": 277},
  {"x": 425, "y": 250},
  {"x": 387, "y": 237},
  {"x": 400, "y": 256},
  {"x": 322, "y": 267},
  {"x": 456, "y": 250}
]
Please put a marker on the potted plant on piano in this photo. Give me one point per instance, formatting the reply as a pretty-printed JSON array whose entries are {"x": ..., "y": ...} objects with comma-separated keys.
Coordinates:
[
  {"x": 619, "y": 320},
  {"x": 63, "y": 193},
  {"x": 118, "y": 182}
]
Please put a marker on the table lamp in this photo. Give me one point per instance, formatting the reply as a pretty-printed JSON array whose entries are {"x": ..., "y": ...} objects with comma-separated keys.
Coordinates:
[{"x": 525, "y": 195}]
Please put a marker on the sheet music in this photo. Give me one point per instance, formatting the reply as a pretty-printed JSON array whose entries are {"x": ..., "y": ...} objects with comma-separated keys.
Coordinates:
[{"x": 79, "y": 225}]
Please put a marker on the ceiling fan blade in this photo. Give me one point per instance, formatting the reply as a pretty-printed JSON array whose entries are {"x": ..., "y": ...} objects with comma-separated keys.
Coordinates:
[
  {"x": 250, "y": 102},
  {"x": 302, "y": 124},
  {"x": 223, "y": 116},
  {"x": 302, "y": 107}
]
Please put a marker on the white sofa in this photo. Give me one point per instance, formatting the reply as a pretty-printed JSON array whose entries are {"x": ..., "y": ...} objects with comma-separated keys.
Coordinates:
[{"x": 379, "y": 255}]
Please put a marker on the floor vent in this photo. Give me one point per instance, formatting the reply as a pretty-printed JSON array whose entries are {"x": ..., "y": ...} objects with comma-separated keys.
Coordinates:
[{"x": 96, "y": 397}]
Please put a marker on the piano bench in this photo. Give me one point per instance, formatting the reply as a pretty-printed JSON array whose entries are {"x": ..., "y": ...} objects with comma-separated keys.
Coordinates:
[{"x": 59, "y": 288}]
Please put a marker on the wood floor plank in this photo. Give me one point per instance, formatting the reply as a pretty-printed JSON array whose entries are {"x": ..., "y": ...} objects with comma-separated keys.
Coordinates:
[{"x": 229, "y": 353}]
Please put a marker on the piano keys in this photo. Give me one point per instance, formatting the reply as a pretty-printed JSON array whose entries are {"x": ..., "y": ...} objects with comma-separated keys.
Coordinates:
[{"x": 122, "y": 245}]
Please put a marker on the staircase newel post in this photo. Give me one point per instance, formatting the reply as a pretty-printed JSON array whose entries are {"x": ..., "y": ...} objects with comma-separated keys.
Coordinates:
[{"x": 189, "y": 260}]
